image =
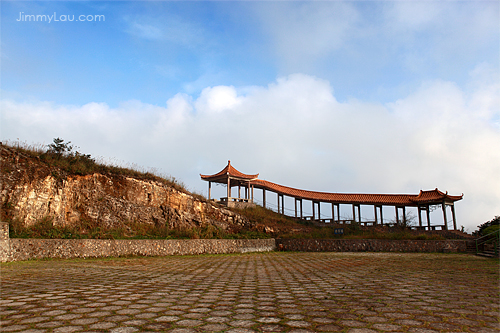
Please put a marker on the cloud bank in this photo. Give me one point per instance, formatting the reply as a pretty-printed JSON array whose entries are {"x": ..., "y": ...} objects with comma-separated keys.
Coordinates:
[{"x": 296, "y": 133}]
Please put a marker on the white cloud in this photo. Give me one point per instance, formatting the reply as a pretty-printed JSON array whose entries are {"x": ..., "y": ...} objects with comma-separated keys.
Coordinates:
[
  {"x": 307, "y": 31},
  {"x": 415, "y": 16},
  {"x": 218, "y": 99},
  {"x": 168, "y": 27},
  {"x": 418, "y": 38},
  {"x": 146, "y": 31},
  {"x": 296, "y": 133}
]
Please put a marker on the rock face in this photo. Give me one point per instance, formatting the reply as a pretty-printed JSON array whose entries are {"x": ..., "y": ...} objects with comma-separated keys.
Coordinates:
[{"x": 31, "y": 191}]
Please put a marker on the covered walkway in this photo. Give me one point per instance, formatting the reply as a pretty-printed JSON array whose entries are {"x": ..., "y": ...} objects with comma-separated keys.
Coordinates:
[{"x": 424, "y": 201}]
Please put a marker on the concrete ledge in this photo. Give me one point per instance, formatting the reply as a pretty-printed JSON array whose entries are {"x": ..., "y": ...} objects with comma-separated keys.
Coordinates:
[{"x": 371, "y": 245}]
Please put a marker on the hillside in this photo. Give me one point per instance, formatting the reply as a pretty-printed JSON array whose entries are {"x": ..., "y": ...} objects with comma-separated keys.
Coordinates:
[{"x": 71, "y": 195}]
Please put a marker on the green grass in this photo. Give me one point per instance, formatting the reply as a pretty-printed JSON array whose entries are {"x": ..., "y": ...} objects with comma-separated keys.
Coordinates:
[
  {"x": 266, "y": 216},
  {"x": 306, "y": 230},
  {"x": 45, "y": 228}
]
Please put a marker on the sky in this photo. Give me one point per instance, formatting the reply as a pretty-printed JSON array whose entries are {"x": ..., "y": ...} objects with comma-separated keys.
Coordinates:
[{"x": 334, "y": 96}]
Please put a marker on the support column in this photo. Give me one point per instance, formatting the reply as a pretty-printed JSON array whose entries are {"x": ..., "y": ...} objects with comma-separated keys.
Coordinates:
[
  {"x": 397, "y": 215},
  {"x": 283, "y": 204},
  {"x": 381, "y": 216},
  {"x": 314, "y": 214},
  {"x": 333, "y": 212},
  {"x": 375, "y": 211},
  {"x": 454, "y": 219},
  {"x": 279, "y": 210},
  {"x": 404, "y": 215},
  {"x": 264, "y": 197},
  {"x": 295, "y": 204},
  {"x": 301, "y": 214},
  {"x": 443, "y": 205},
  {"x": 252, "y": 193},
  {"x": 319, "y": 211},
  {"x": 338, "y": 212},
  {"x": 419, "y": 216},
  {"x": 209, "y": 189},
  {"x": 428, "y": 217},
  {"x": 353, "y": 213},
  {"x": 359, "y": 213},
  {"x": 228, "y": 188},
  {"x": 239, "y": 191}
]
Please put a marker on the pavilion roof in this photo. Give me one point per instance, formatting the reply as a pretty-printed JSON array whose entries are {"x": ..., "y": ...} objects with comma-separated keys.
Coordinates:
[
  {"x": 228, "y": 171},
  {"x": 424, "y": 197},
  {"x": 436, "y": 195},
  {"x": 235, "y": 177}
]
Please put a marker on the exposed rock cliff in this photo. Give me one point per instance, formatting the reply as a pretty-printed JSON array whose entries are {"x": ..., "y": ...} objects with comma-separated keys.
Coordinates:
[{"x": 31, "y": 190}]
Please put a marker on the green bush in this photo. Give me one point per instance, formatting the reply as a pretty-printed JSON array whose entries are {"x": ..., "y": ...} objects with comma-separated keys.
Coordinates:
[
  {"x": 491, "y": 229},
  {"x": 483, "y": 227}
]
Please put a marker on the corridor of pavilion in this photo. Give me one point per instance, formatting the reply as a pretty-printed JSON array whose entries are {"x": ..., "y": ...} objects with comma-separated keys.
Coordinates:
[{"x": 424, "y": 201}]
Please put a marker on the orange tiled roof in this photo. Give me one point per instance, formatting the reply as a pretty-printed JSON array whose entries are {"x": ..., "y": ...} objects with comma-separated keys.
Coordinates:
[
  {"x": 228, "y": 170},
  {"x": 424, "y": 197},
  {"x": 435, "y": 194}
]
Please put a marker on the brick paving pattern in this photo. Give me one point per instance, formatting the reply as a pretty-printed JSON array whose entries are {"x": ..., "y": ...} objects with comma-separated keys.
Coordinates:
[{"x": 259, "y": 292}]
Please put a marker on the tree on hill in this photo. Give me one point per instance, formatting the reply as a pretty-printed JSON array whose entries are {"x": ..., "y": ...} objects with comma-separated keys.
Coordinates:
[
  {"x": 488, "y": 227},
  {"x": 59, "y": 148}
]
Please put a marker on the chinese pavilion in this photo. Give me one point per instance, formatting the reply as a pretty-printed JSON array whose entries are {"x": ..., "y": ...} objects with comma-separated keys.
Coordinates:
[{"x": 424, "y": 201}]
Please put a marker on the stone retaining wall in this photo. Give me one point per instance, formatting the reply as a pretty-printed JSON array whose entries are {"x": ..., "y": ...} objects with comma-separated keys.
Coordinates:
[
  {"x": 371, "y": 245},
  {"x": 16, "y": 249},
  {"x": 4, "y": 241},
  {"x": 25, "y": 249}
]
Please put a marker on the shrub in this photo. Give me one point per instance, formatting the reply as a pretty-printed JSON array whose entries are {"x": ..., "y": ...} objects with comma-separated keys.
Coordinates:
[{"x": 485, "y": 228}]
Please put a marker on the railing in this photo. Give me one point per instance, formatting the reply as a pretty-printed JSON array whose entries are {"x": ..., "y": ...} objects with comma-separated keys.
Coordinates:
[
  {"x": 492, "y": 237},
  {"x": 330, "y": 220},
  {"x": 236, "y": 202},
  {"x": 225, "y": 199}
]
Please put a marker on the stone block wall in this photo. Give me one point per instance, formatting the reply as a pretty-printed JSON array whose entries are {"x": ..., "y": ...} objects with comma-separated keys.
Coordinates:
[
  {"x": 371, "y": 245},
  {"x": 4, "y": 241},
  {"x": 26, "y": 249}
]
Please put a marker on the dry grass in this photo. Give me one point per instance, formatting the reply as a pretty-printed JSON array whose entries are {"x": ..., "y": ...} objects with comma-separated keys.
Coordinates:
[
  {"x": 76, "y": 163},
  {"x": 86, "y": 229}
]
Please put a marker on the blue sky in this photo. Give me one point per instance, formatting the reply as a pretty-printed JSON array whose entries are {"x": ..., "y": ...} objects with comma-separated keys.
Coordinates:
[{"x": 353, "y": 96}]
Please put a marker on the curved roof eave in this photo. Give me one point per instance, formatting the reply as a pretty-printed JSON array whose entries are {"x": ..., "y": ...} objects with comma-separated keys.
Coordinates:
[{"x": 229, "y": 171}]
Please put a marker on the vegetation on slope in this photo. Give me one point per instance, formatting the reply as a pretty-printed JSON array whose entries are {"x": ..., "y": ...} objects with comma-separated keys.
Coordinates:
[
  {"x": 63, "y": 157},
  {"x": 488, "y": 227},
  {"x": 45, "y": 228},
  {"x": 281, "y": 226}
]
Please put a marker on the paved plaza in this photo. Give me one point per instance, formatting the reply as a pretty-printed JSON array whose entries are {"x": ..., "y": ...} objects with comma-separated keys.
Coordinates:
[{"x": 258, "y": 292}]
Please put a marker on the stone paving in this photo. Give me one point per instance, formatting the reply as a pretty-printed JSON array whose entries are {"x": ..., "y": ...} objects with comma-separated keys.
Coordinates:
[{"x": 258, "y": 292}]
